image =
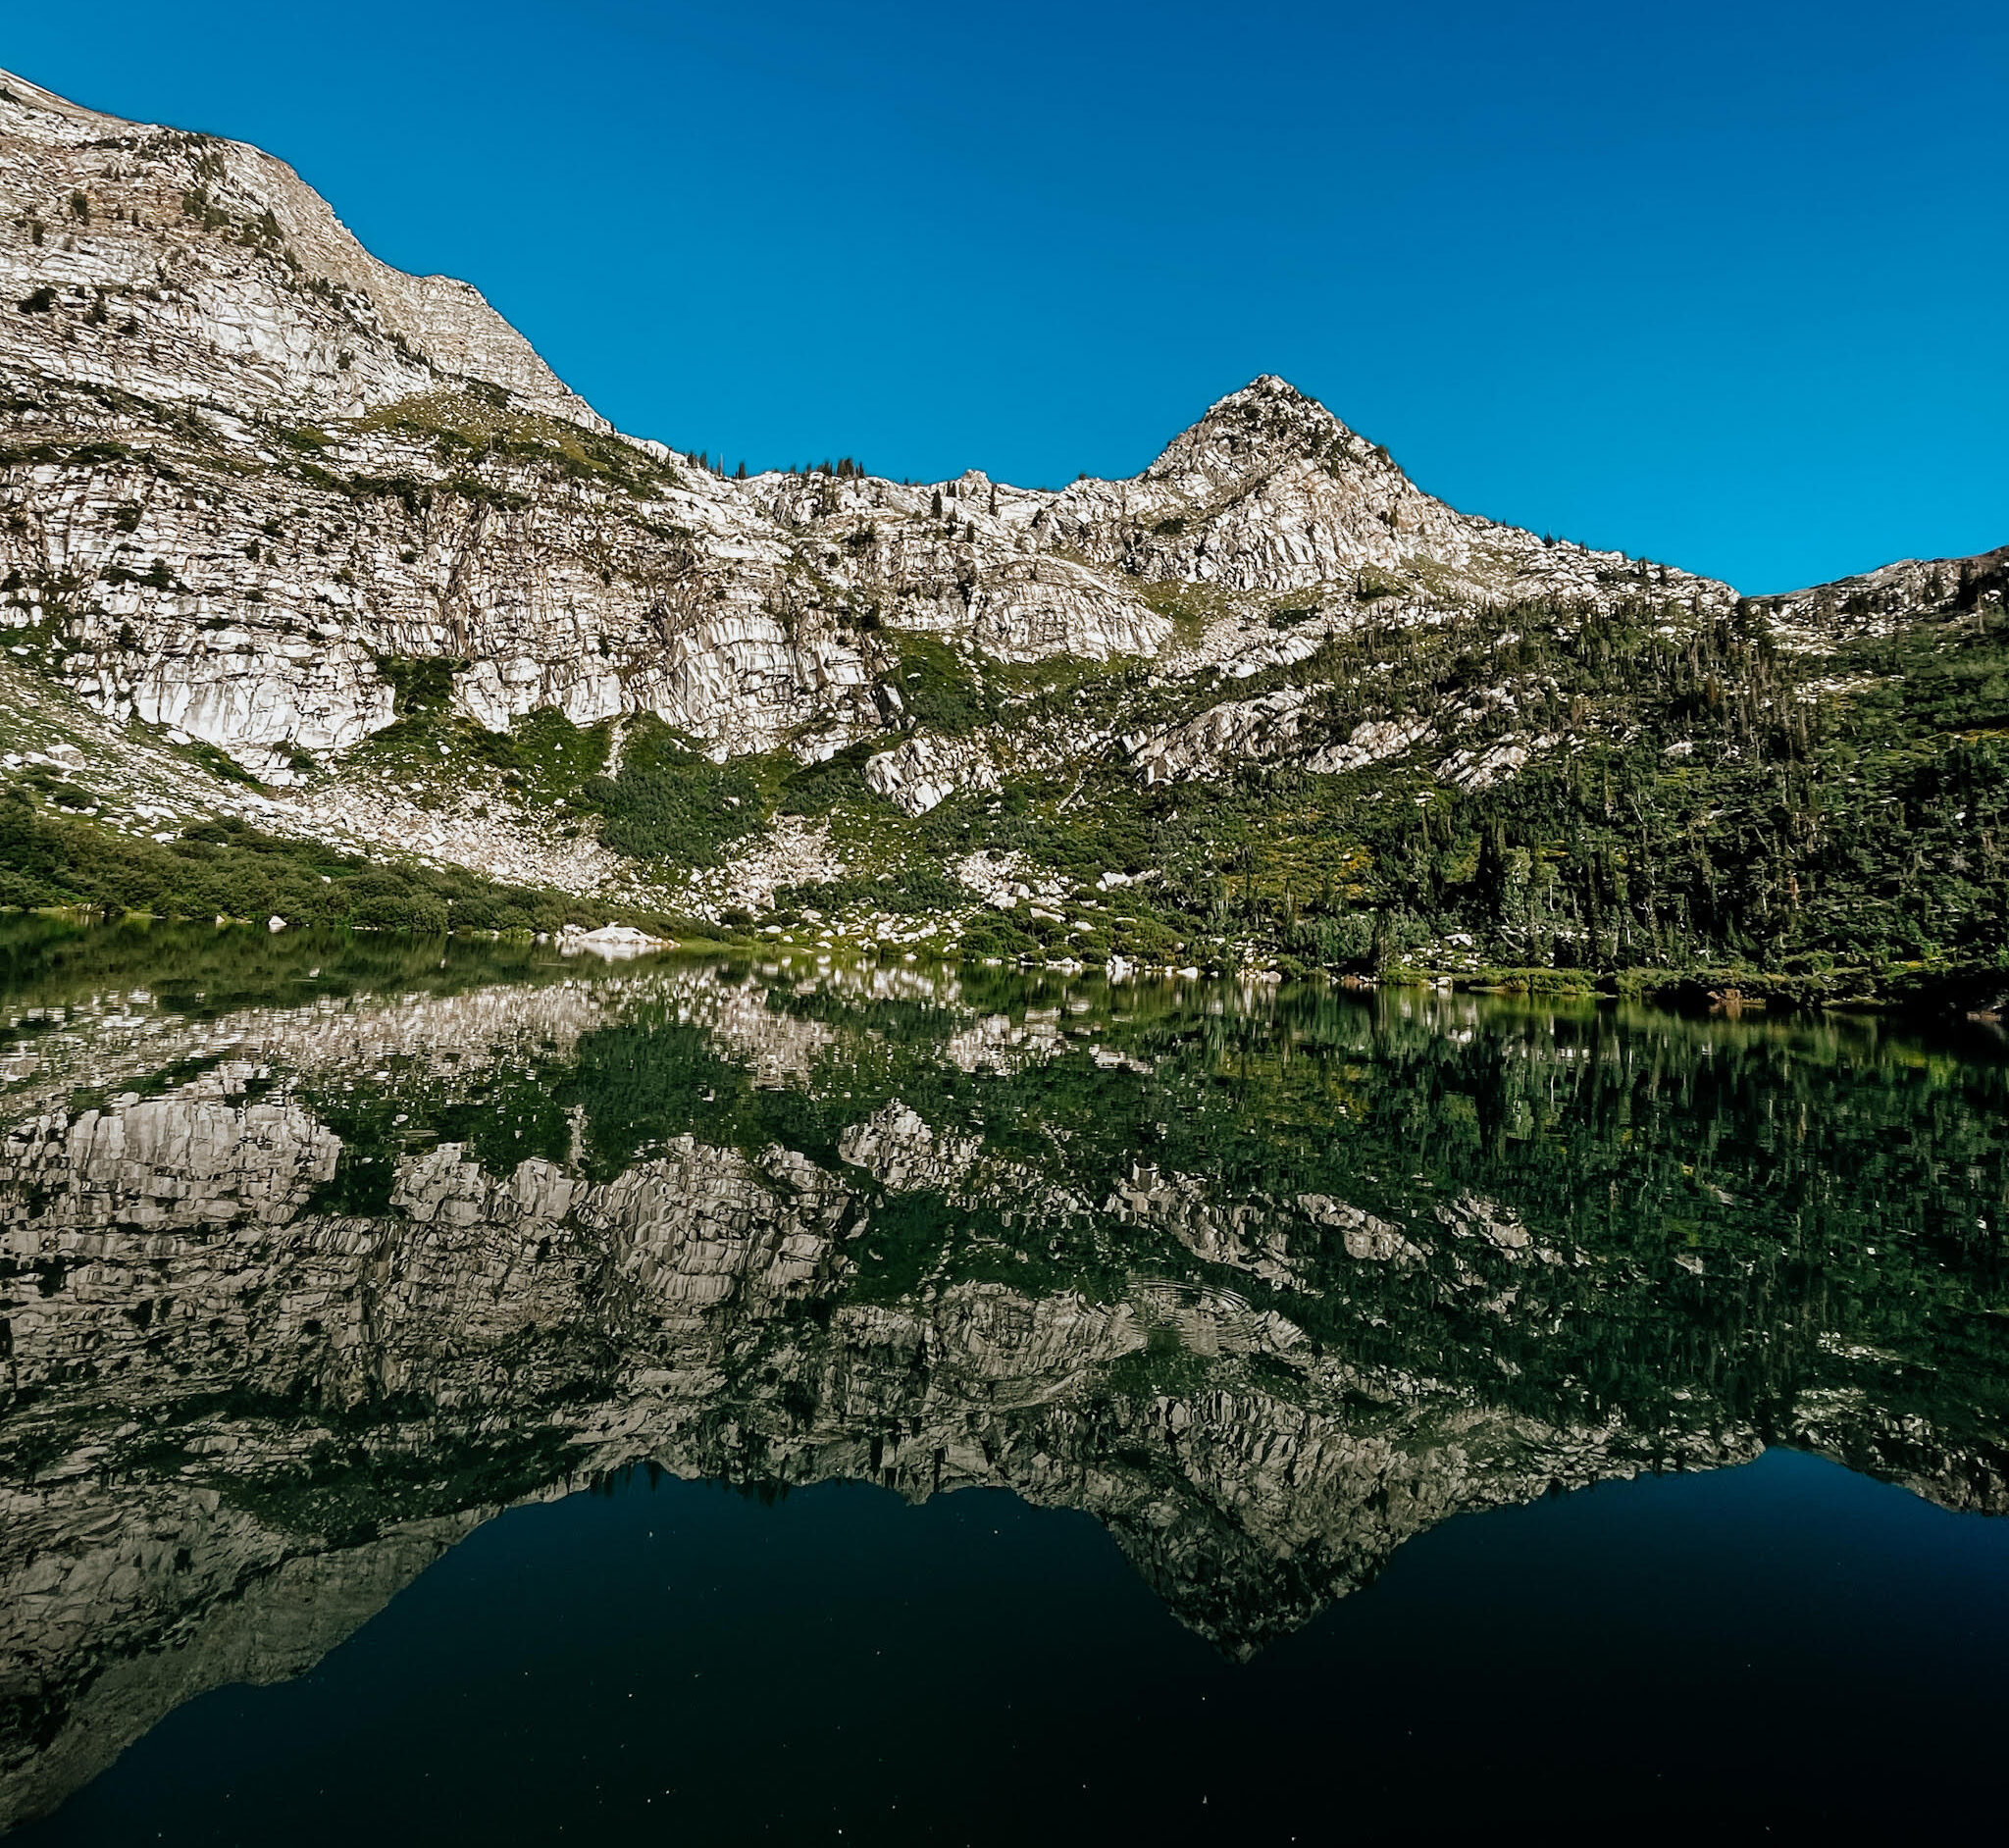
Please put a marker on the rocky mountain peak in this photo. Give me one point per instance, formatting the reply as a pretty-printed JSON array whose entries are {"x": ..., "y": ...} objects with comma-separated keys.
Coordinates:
[
  {"x": 1265, "y": 426},
  {"x": 234, "y": 280}
]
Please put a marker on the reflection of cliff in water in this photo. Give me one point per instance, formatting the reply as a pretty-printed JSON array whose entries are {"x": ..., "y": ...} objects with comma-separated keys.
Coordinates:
[{"x": 303, "y": 1288}]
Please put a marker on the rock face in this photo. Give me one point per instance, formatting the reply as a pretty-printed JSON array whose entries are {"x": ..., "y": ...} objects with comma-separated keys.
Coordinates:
[
  {"x": 249, "y": 464},
  {"x": 1270, "y": 493},
  {"x": 325, "y": 324},
  {"x": 279, "y": 1332}
]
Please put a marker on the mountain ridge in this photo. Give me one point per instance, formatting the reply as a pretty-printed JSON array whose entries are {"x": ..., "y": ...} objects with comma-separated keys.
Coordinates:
[{"x": 312, "y": 522}]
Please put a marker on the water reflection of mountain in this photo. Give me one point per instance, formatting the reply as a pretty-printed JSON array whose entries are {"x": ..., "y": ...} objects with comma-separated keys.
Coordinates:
[{"x": 303, "y": 1285}]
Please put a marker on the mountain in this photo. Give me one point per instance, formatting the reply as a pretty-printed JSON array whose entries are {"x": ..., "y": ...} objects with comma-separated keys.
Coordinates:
[{"x": 318, "y": 563}]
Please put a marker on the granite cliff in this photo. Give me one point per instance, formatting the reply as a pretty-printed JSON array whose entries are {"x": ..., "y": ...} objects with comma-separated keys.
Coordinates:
[
  {"x": 362, "y": 465},
  {"x": 289, "y": 538}
]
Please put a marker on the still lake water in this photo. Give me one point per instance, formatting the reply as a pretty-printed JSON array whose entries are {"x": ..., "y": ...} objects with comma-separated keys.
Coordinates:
[{"x": 448, "y": 1394}]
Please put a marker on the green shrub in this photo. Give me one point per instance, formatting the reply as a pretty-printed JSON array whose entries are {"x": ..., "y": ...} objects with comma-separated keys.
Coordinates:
[
  {"x": 552, "y": 758},
  {"x": 419, "y": 684},
  {"x": 939, "y": 689},
  {"x": 817, "y": 787},
  {"x": 669, "y": 802},
  {"x": 918, "y": 887}
]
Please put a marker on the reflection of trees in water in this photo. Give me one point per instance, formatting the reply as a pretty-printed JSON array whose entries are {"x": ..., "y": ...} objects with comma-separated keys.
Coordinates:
[{"x": 1268, "y": 1283}]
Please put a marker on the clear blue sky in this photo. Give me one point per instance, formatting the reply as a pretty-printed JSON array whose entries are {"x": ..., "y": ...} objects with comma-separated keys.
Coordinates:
[{"x": 1723, "y": 284}]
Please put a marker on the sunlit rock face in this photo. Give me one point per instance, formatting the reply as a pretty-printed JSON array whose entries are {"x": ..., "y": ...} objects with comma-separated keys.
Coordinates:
[
  {"x": 295, "y": 541},
  {"x": 303, "y": 1288},
  {"x": 249, "y": 463}
]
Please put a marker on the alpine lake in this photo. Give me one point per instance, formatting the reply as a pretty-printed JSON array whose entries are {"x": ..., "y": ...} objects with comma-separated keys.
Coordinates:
[{"x": 452, "y": 1392}]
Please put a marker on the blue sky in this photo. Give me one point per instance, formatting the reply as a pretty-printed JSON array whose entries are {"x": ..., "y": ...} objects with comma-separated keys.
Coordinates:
[{"x": 1718, "y": 283}]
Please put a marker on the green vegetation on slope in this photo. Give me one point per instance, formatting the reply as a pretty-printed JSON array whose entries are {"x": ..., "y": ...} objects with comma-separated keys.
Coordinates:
[
  {"x": 228, "y": 869},
  {"x": 669, "y": 802},
  {"x": 1695, "y": 797}
]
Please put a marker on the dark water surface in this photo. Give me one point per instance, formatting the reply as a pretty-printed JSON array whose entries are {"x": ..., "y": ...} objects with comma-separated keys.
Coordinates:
[{"x": 451, "y": 1395}]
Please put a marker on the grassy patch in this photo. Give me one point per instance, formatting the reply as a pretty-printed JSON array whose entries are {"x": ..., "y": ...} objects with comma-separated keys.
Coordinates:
[
  {"x": 230, "y": 869},
  {"x": 669, "y": 803},
  {"x": 940, "y": 690}
]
